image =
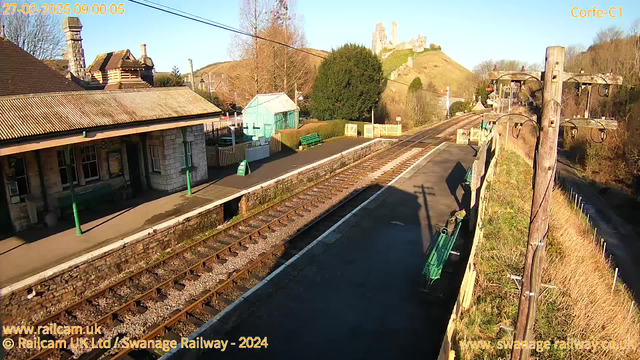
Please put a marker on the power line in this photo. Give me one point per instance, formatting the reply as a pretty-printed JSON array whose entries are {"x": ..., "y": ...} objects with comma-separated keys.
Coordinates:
[{"x": 205, "y": 21}]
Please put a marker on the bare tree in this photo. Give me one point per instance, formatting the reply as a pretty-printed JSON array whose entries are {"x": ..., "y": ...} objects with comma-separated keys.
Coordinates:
[
  {"x": 634, "y": 29},
  {"x": 39, "y": 35},
  {"x": 253, "y": 18},
  {"x": 265, "y": 66},
  {"x": 571, "y": 53},
  {"x": 608, "y": 35}
]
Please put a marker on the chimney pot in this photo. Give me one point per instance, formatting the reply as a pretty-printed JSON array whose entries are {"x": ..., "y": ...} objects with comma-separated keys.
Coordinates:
[{"x": 143, "y": 50}]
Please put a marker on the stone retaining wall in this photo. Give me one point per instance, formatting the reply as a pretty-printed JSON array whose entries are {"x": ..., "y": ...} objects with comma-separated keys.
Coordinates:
[
  {"x": 60, "y": 289},
  {"x": 71, "y": 285},
  {"x": 293, "y": 183}
]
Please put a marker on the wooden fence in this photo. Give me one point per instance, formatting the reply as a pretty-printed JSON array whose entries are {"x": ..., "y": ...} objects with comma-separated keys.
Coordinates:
[
  {"x": 275, "y": 143},
  {"x": 351, "y": 130},
  {"x": 378, "y": 130},
  {"x": 217, "y": 129},
  {"x": 482, "y": 175},
  {"x": 223, "y": 156}
]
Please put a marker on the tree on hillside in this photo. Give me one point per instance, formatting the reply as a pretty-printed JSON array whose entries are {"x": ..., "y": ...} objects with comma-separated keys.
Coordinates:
[
  {"x": 172, "y": 79},
  {"x": 421, "y": 107},
  {"x": 416, "y": 84},
  {"x": 264, "y": 66},
  {"x": 608, "y": 35},
  {"x": 348, "y": 84},
  {"x": 39, "y": 35}
]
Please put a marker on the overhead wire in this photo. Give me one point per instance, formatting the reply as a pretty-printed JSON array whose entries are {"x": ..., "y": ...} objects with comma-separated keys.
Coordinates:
[{"x": 205, "y": 21}]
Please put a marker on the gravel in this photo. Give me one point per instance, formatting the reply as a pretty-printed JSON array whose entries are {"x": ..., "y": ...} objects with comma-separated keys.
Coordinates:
[{"x": 135, "y": 324}]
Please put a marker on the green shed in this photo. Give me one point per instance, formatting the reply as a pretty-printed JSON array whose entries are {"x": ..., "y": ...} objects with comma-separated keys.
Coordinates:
[{"x": 266, "y": 113}]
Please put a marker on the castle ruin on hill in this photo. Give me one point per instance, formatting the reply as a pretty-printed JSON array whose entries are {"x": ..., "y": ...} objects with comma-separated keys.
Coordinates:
[{"x": 379, "y": 40}]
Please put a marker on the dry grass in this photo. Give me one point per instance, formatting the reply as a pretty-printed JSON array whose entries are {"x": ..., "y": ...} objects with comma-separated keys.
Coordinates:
[
  {"x": 585, "y": 281},
  {"x": 582, "y": 306}
]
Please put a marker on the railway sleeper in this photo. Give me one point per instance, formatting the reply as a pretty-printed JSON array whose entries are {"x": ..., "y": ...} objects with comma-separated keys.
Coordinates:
[
  {"x": 194, "y": 321},
  {"x": 222, "y": 301}
]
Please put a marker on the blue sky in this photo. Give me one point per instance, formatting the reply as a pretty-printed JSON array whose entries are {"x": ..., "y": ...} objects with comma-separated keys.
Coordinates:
[{"x": 468, "y": 31}]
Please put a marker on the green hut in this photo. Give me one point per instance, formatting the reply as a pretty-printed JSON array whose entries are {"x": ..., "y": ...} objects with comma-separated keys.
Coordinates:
[{"x": 266, "y": 113}]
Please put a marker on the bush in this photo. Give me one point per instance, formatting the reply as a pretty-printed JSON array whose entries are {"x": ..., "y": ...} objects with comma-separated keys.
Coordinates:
[
  {"x": 326, "y": 129},
  {"x": 459, "y": 106},
  {"x": 349, "y": 83}
]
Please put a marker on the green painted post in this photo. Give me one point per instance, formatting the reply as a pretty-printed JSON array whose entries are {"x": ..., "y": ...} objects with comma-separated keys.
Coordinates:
[
  {"x": 73, "y": 195},
  {"x": 186, "y": 160}
]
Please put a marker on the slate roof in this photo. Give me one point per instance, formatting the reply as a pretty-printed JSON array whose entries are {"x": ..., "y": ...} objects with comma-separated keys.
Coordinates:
[
  {"x": 32, "y": 115},
  {"x": 121, "y": 59},
  {"x": 22, "y": 73}
]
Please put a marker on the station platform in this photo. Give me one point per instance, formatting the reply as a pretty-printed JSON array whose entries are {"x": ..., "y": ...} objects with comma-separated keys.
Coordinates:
[
  {"x": 355, "y": 294},
  {"x": 32, "y": 252}
]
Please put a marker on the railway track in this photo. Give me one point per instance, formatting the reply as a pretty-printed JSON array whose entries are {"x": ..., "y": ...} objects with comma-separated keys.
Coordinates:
[{"x": 174, "y": 296}]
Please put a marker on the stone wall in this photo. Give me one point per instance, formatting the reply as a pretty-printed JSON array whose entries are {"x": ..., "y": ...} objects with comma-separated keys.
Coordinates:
[
  {"x": 52, "y": 181},
  {"x": 86, "y": 278},
  {"x": 171, "y": 177},
  {"x": 71, "y": 285},
  {"x": 293, "y": 183}
]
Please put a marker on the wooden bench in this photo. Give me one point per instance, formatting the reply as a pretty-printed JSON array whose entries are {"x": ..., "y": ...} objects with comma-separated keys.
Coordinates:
[
  {"x": 310, "y": 140},
  {"x": 439, "y": 253},
  {"x": 87, "y": 197}
]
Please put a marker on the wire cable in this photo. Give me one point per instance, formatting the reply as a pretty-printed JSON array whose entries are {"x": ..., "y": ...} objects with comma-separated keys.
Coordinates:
[{"x": 205, "y": 21}]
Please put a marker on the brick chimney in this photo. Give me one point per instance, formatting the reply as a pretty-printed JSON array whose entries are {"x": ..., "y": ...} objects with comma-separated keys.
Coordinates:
[
  {"x": 143, "y": 50},
  {"x": 74, "y": 53}
]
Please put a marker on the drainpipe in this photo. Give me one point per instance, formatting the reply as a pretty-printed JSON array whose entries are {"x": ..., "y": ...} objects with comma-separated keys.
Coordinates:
[
  {"x": 43, "y": 189},
  {"x": 186, "y": 159},
  {"x": 145, "y": 160},
  {"x": 73, "y": 195}
]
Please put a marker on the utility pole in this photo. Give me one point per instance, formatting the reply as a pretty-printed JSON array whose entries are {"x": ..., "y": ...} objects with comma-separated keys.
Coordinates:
[
  {"x": 373, "y": 115},
  {"x": 193, "y": 86},
  {"x": 544, "y": 173},
  {"x": 295, "y": 93},
  {"x": 448, "y": 103},
  {"x": 543, "y": 181}
]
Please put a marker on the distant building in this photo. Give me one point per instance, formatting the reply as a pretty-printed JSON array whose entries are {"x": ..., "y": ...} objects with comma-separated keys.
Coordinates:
[
  {"x": 121, "y": 70},
  {"x": 267, "y": 113},
  {"x": 109, "y": 71}
]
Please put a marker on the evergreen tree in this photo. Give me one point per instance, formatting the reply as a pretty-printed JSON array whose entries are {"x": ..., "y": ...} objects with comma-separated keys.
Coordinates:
[
  {"x": 172, "y": 79},
  {"x": 348, "y": 84},
  {"x": 416, "y": 84}
]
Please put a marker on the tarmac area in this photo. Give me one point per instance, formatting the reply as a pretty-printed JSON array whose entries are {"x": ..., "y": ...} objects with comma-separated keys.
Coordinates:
[{"x": 356, "y": 294}]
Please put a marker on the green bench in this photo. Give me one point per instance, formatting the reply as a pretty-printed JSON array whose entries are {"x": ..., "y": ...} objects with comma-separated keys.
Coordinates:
[
  {"x": 467, "y": 177},
  {"x": 86, "y": 198},
  {"x": 310, "y": 140},
  {"x": 439, "y": 253}
]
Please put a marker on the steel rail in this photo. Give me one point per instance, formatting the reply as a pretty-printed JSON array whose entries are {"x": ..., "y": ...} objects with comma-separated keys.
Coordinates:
[{"x": 250, "y": 238}]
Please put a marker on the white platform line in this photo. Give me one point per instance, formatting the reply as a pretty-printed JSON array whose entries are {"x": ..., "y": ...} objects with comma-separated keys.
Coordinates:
[
  {"x": 294, "y": 258},
  {"x": 139, "y": 235}
]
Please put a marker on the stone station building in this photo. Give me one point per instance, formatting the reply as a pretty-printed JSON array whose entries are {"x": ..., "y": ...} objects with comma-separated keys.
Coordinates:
[{"x": 118, "y": 144}]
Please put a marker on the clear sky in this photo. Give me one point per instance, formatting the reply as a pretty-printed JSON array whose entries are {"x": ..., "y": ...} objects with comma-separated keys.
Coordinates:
[{"x": 468, "y": 31}]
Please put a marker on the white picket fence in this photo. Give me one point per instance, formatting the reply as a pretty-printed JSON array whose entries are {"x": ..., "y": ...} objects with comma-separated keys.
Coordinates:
[
  {"x": 351, "y": 130},
  {"x": 378, "y": 130}
]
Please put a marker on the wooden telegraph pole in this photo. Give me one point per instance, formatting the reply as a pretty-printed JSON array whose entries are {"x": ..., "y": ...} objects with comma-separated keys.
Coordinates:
[
  {"x": 544, "y": 169},
  {"x": 543, "y": 181}
]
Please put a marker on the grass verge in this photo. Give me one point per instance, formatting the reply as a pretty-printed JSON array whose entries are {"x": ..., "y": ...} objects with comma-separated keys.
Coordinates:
[{"x": 582, "y": 307}]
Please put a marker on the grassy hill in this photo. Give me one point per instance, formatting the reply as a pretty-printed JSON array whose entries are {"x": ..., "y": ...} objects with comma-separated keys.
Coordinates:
[
  {"x": 431, "y": 66},
  {"x": 229, "y": 67}
]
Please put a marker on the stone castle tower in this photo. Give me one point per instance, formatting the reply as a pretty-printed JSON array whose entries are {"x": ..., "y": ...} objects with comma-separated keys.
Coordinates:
[
  {"x": 394, "y": 33},
  {"x": 74, "y": 53},
  {"x": 379, "y": 41}
]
